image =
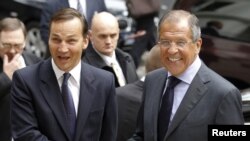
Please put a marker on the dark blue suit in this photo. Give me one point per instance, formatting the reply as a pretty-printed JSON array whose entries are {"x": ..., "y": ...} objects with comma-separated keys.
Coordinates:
[
  {"x": 38, "y": 112},
  {"x": 51, "y": 6}
]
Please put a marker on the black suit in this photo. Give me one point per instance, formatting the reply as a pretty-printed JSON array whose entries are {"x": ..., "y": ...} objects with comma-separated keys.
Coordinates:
[
  {"x": 38, "y": 112},
  {"x": 129, "y": 99},
  {"x": 124, "y": 59},
  {"x": 51, "y": 6},
  {"x": 5, "y": 84}
]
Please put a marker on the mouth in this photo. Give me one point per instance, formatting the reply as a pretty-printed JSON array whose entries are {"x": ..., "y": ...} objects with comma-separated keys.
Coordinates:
[
  {"x": 63, "y": 58},
  {"x": 173, "y": 59}
]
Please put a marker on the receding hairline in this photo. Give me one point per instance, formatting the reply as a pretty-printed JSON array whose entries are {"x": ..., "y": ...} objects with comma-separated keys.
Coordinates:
[{"x": 103, "y": 17}]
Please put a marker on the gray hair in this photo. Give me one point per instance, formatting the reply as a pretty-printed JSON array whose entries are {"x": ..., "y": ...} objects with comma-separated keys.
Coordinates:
[{"x": 176, "y": 15}]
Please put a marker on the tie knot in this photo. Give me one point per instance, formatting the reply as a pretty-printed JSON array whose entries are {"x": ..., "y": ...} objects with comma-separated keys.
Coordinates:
[
  {"x": 66, "y": 77},
  {"x": 173, "y": 81}
]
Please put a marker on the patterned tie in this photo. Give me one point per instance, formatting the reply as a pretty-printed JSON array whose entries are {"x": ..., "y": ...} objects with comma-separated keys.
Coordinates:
[
  {"x": 166, "y": 107},
  {"x": 69, "y": 105}
]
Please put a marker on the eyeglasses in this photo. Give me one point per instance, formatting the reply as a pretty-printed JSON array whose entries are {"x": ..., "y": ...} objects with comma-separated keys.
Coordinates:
[
  {"x": 8, "y": 46},
  {"x": 178, "y": 44}
]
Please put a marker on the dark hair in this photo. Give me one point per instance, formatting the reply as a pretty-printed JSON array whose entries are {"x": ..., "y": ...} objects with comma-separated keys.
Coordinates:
[
  {"x": 66, "y": 14},
  {"x": 11, "y": 24},
  {"x": 176, "y": 15}
]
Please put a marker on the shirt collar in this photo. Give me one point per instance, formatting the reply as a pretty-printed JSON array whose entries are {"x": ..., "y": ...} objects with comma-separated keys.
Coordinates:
[
  {"x": 75, "y": 72},
  {"x": 188, "y": 75},
  {"x": 107, "y": 59}
]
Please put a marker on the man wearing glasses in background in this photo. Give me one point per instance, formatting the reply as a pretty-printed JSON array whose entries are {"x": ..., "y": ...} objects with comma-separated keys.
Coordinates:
[{"x": 12, "y": 57}]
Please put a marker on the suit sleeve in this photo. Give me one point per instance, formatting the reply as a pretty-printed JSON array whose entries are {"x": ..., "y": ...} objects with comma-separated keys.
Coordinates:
[
  {"x": 23, "y": 119},
  {"x": 110, "y": 119}
]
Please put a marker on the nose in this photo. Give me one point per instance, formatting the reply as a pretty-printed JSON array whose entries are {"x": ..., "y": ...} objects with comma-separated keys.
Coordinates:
[
  {"x": 172, "y": 49},
  {"x": 12, "y": 50},
  {"x": 63, "y": 47},
  {"x": 108, "y": 40}
]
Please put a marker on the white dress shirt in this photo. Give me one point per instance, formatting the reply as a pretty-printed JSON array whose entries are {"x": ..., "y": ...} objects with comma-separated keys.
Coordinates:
[
  {"x": 186, "y": 78},
  {"x": 73, "y": 82}
]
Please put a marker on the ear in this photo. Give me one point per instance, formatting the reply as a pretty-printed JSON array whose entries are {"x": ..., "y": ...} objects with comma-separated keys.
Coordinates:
[
  {"x": 198, "y": 44},
  {"x": 85, "y": 42},
  {"x": 24, "y": 44},
  {"x": 90, "y": 34}
]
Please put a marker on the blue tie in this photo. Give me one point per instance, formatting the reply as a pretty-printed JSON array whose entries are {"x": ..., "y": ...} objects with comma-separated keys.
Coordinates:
[
  {"x": 166, "y": 107},
  {"x": 69, "y": 105}
]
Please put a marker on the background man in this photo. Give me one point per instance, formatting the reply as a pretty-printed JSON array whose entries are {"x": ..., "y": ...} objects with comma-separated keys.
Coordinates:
[
  {"x": 104, "y": 54},
  {"x": 12, "y": 58},
  {"x": 129, "y": 97}
]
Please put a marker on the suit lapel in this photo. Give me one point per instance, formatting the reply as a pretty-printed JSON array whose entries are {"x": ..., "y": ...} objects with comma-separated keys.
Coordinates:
[
  {"x": 191, "y": 98},
  {"x": 87, "y": 92},
  {"x": 153, "y": 108},
  {"x": 51, "y": 92},
  {"x": 93, "y": 58},
  {"x": 124, "y": 61}
]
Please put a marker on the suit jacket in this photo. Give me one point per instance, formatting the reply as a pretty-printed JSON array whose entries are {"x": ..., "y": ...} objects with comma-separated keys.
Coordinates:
[
  {"x": 51, "y": 6},
  {"x": 210, "y": 99},
  {"x": 129, "y": 99},
  {"x": 5, "y": 84},
  {"x": 125, "y": 60},
  {"x": 38, "y": 111}
]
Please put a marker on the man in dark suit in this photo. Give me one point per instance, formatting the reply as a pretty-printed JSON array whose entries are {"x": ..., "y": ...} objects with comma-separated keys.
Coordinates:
[
  {"x": 88, "y": 7},
  {"x": 40, "y": 109},
  {"x": 104, "y": 54},
  {"x": 12, "y": 58},
  {"x": 201, "y": 97},
  {"x": 129, "y": 97}
]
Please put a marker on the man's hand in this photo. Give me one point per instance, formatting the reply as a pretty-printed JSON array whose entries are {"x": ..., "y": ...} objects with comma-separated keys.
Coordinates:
[{"x": 10, "y": 66}]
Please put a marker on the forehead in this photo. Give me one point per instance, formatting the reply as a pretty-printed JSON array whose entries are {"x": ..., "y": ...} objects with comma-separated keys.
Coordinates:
[
  {"x": 106, "y": 27},
  {"x": 16, "y": 35},
  {"x": 175, "y": 28},
  {"x": 66, "y": 27}
]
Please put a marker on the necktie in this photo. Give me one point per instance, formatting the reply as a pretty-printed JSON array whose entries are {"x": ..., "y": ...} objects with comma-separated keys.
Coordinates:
[
  {"x": 68, "y": 104},
  {"x": 166, "y": 107},
  {"x": 79, "y": 7},
  {"x": 118, "y": 74}
]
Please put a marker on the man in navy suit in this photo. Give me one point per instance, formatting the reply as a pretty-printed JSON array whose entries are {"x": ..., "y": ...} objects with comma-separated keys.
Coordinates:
[
  {"x": 88, "y": 8},
  {"x": 201, "y": 98},
  {"x": 12, "y": 58},
  {"x": 38, "y": 111}
]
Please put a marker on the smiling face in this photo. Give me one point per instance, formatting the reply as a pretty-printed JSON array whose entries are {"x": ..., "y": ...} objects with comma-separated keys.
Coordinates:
[
  {"x": 176, "y": 59},
  {"x": 66, "y": 43}
]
